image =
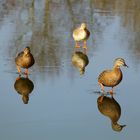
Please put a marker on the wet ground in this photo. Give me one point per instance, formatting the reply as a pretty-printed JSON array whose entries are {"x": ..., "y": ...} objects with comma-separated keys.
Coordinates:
[{"x": 62, "y": 103}]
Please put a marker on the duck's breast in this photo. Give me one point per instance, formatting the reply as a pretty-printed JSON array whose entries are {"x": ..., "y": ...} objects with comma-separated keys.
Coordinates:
[
  {"x": 25, "y": 61},
  {"x": 28, "y": 61}
]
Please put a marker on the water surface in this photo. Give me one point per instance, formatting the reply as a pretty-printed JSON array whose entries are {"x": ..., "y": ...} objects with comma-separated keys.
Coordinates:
[{"x": 63, "y": 103}]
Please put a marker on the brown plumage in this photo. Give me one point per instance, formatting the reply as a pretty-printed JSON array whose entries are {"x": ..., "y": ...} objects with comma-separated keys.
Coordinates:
[
  {"x": 111, "y": 108},
  {"x": 24, "y": 86},
  {"x": 80, "y": 61},
  {"x": 25, "y": 60},
  {"x": 111, "y": 78}
]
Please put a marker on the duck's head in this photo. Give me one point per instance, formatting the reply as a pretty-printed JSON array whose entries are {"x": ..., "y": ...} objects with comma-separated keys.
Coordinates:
[
  {"x": 82, "y": 71},
  {"x": 27, "y": 50},
  {"x": 83, "y": 25},
  {"x": 25, "y": 99},
  {"x": 117, "y": 127},
  {"x": 119, "y": 62}
]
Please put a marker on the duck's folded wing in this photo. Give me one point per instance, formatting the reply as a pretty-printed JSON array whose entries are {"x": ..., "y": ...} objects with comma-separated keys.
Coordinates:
[
  {"x": 104, "y": 76},
  {"x": 20, "y": 54}
]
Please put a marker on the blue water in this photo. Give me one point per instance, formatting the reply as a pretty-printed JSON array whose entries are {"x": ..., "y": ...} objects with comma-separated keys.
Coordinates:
[{"x": 63, "y": 103}]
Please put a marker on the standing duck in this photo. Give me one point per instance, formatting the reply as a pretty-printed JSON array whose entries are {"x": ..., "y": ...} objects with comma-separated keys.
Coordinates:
[
  {"x": 111, "y": 108},
  {"x": 25, "y": 60},
  {"x": 81, "y": 34},
  {"x": 111, "y": 78},
  {"x": 80, "y": 61}
]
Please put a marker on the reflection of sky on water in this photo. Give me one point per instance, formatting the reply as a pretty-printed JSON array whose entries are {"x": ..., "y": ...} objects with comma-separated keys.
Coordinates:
[{"x": 61, "y": 106}]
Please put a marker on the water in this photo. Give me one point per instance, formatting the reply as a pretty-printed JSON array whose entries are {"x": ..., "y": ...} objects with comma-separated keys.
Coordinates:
[{"x": 63, "y": 103}]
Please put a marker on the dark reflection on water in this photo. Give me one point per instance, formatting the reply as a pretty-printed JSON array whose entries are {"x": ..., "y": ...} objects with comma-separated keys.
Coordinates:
[
  {"x": 24, "y": 86},
  {"x": 63, "y": 109},
  {"x": 109, "y": 107},
  {"x": 80, "y": 61}
]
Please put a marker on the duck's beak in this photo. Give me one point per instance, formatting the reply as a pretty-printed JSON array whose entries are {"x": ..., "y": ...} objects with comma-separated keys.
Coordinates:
[
  {"x": 123, "y": 126},
  {"x": 125, "y": 65}
]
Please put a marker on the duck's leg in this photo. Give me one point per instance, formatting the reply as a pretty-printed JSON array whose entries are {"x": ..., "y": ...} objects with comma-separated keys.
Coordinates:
[
  {"x": 85, "y": 51},
  {"x": 77, "y": 45},
  {"x": 85, "y": 44},
  {"x": 111, "y": 91},
  {"x": 101, "y": 98},
  {"x": 26, "y": 72},
  {"x": 19, "y": 70},
  {"x": 18, "y": 77},
  {"x": 102, "y": 87}
]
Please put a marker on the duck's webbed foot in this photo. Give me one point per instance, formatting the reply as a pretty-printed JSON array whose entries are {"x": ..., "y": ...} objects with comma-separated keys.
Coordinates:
[{"x": 111, "y": 92}]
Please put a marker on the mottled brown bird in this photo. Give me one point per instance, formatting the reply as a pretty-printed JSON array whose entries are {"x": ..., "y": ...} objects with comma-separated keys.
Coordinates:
[
  {"x": 111, "y": 78},
  {"x": 111, "y": 108},
  {"x": 81, "y": 34},
  {"x": 25, "y": 60}
]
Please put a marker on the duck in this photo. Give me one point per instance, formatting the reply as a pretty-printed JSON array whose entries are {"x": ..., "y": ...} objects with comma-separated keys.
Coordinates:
[
  {"x": 81, "y": 33},
  {"x": 80, "y": 61},
  {"x": 24, "y": 86},
  {"x": 110, "y": 107},
  {"x": 111, "y": 78},
  {"x": 25, "y": 60}
]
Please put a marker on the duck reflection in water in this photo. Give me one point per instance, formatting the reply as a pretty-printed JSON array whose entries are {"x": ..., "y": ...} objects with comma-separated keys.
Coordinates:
[
  {"x": 24, "y": 86},
  {"x": 80, "y": 61},
  {"x": 111, "y": 108}
]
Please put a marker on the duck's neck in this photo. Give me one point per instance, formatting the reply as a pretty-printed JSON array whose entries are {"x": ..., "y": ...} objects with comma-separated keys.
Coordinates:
[
  {"x": 116, "y": 67},
  {"x": 26, "y": 54},
  {"x": 82, "y": 28}
]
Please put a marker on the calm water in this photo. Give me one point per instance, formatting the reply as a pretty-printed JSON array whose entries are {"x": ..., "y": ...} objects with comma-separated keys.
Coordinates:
[{"x": 63, "y": 103}]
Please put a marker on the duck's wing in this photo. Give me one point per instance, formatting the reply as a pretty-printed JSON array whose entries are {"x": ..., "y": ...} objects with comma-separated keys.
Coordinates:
[
  {"x": 19, "y": 57},
  {"x": 20, "y": 54},
  {"x": 88, "y": 33},
  {"x": 76, "y": 31},
  {"x": 109, "y": 78},
  {"x": 103, "y": 75}
]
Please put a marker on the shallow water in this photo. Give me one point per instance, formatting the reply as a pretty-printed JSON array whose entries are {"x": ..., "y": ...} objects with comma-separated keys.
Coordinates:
[{"x": 63, "y": 103}]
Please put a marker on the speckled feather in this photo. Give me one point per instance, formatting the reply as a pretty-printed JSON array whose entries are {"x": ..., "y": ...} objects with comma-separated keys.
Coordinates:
[
  {"x": 109, "y": 107},
  {"x": 81, "y": 34},
  {"x": 24, "y": 60},
  {"x": 110, "y": 78}
]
